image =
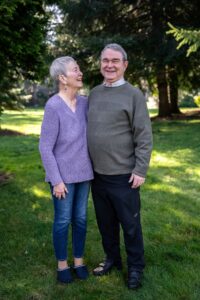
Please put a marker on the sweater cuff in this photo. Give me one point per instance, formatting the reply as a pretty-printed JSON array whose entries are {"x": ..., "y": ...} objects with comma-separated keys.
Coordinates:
[
  {"x": 139, "y": 173},
  {"x": 55, "y": 181}
]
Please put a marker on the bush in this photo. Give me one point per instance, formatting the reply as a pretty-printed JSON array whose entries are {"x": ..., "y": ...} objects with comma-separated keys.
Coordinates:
[{"x": 187, "y": 101}]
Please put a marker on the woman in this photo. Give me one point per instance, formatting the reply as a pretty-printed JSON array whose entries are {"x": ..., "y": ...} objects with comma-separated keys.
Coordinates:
[{"x": 64, "y": 154}]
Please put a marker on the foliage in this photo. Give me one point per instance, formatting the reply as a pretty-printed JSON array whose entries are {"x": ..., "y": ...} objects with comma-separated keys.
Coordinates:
[
  {"x": 186, "y": 37},
  {"x": 170, "y": 217},
  {"x": 140, "y": 27},
  {"x": 83, "y": 28},
  {"x": 187, "y": 101},
  {"x": 197, "y": 100},
  {"x": 23, "y": 27}
]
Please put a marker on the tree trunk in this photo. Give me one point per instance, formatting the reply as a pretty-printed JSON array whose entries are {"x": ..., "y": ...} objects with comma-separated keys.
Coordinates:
[
  {"x": 164, "y": 107},
  {"x": 173, "y": 91}
]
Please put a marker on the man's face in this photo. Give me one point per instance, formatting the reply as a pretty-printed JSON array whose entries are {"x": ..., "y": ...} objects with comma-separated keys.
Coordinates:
[{"x": 112, "y": 65}]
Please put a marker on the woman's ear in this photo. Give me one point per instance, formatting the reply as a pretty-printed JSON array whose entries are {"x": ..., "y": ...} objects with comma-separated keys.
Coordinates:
[{"x": 62, "y": 78}]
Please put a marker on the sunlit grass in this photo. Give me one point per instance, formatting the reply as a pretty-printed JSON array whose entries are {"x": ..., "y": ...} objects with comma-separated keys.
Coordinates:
[
  {"x": 26, "y": 121},
  {"x": 154, "y": 111},
  {"x": 194, "y": 172},
  {"x": 166, "y": 188},
  {"x": 184, "y": 217},
  {"x": 161, "y": 159},
  {"x": 40, "y": 193},
  {"x": 188, "y": 109}
]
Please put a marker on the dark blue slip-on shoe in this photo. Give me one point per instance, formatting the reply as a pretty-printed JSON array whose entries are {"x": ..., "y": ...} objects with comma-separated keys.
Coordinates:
[
  {"x": 81, "y": 272},
  {"x": 64, "y": 276}
]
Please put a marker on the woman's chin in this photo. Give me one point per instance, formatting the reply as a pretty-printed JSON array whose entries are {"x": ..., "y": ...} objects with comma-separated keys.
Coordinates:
[
  {"x": 80, "y": 83},
  {"x": 77, "y": 86}
]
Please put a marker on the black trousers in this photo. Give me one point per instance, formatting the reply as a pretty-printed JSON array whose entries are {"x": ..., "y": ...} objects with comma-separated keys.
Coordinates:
[{"x": 117, "y": 203}]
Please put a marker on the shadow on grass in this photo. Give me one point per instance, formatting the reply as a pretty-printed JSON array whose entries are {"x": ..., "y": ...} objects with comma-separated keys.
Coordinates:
[
  {"x": 20, "y": 119},
  {"x": 7, "y": 132}
]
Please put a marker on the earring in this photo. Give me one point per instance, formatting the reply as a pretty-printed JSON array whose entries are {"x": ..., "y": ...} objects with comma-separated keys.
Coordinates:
[{"x": 65, "y": 88}]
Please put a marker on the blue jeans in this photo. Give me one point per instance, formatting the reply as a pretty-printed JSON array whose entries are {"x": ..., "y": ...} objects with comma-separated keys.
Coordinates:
[{"x": 70, "y": 210}]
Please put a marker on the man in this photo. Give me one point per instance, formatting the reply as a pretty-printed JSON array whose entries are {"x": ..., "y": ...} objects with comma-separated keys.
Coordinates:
[{"x": 120, "y": 143}]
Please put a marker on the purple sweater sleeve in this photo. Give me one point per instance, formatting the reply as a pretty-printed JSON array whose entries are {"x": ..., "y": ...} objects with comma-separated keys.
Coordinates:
[{"x": 48, "y": 137}]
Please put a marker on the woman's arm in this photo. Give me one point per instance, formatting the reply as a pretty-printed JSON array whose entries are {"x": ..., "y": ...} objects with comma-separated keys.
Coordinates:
[{"x": 48, "y": 138}]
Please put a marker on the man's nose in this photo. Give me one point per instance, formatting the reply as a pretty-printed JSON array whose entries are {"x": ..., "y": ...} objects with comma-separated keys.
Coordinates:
[{"x": 110, "y": 63}]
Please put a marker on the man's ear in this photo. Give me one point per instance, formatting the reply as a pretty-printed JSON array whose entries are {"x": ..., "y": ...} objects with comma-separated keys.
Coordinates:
[{"x": 125, "y": 64}]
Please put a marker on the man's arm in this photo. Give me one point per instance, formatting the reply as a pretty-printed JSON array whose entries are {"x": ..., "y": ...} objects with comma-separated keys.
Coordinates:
[{"x": 142, "y": 137}]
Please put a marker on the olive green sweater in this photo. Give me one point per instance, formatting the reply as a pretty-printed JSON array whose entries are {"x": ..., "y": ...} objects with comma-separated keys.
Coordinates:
[{"x": 119, "y": 130}]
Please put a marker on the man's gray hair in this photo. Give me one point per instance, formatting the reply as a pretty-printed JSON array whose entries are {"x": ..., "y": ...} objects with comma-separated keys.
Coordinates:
[
  {"x": 59, "y": 67},
  {"x": 116, "y": 47}
]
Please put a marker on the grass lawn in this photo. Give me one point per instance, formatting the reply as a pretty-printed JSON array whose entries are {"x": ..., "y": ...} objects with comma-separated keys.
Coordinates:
[{"x": 170, "y": 217}]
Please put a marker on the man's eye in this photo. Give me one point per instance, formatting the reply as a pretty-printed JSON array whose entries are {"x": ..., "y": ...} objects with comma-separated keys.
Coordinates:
[{"x": 114, "y": 61}]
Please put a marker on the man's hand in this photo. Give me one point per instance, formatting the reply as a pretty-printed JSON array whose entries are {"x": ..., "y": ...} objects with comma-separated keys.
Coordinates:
[
  {"x": 59, "y": 190},
  {"x": 136, "y": 181}
]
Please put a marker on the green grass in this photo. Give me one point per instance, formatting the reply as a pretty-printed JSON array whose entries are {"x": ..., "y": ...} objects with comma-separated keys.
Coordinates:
[{"x": 170, "y": 217}]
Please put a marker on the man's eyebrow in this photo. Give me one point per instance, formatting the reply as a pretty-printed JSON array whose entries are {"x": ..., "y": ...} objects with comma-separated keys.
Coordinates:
[{"x": 111, "y": 59}]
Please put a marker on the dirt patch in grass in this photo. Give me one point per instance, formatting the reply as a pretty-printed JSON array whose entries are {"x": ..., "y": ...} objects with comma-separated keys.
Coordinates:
[
  {"x": 5, "y": 177},
  {"x": 5, "y": 132}
]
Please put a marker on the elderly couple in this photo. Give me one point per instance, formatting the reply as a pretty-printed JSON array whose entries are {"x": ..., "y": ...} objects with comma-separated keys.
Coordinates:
[{"x": 114, "y": 125}]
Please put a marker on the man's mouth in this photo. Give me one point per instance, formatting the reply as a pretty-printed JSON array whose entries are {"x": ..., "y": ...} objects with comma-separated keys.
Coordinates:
[{"x": 110, "y": 71}]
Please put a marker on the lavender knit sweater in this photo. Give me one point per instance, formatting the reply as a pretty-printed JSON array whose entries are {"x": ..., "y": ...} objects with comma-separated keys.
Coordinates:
[{"x": 63, "y": 143}]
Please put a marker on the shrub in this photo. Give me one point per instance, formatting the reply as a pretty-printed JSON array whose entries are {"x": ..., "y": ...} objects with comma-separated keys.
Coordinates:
[{"x": 187, "y": 101}]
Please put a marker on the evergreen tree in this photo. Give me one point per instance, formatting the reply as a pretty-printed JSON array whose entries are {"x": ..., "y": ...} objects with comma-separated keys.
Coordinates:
[
  {"x": 140, "y": 27},
  {"x": 186, "y": 37}
]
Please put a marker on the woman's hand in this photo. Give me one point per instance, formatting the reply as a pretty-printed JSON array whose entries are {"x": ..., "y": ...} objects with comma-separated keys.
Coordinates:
[{"x": 59, "y": 190}]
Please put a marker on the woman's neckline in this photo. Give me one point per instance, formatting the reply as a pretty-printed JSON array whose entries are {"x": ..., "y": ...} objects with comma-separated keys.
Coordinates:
[{"x": 67, "y": 105}]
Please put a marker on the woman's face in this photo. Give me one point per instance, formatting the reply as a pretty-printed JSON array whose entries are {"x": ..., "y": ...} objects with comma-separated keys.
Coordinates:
[{"x": 74, "y": 76}]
